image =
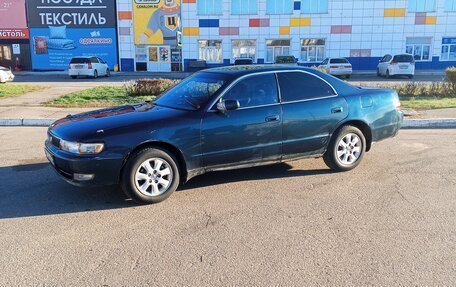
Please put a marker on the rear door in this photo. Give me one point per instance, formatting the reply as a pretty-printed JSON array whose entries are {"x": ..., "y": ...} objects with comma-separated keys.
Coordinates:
[
  {"x": 249, "y": 135},
  {"x": 311, "y": 111}
]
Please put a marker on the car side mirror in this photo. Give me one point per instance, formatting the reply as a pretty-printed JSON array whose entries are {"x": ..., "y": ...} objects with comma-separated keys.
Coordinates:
[{"x": 228, "y": 105}]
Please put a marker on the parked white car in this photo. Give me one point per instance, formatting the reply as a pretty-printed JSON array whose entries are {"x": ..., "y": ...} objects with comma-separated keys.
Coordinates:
[
  {"x": 396, "y": 65},
  {"x": 6, "y": 75},
  {"x": 337, "y": 67},
  {"x": 88, "y": 66}
]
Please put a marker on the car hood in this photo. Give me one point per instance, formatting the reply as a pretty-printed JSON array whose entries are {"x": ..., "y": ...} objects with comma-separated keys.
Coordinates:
[{"x": 95, "y": 124}]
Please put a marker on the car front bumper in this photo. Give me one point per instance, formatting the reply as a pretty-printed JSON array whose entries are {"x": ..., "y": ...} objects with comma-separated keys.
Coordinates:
[{"x": 104, "y": 168}]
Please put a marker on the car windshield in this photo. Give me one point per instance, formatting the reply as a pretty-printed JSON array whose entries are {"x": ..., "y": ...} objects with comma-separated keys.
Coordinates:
[
  {"x": 80, "y": 61},
  {"x": 193, "y": 92},
  {"x": 403, "y": 59},
  {"x": 339, "y": 61},
  {"x": 3, "y": 69}
]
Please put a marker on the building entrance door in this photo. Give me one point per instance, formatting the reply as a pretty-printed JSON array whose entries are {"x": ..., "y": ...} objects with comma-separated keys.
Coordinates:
[{"x": 159, "y": 59}]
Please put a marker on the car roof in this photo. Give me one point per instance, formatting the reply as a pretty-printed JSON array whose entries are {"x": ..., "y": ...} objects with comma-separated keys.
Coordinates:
[{"x": 251, "y": 69}]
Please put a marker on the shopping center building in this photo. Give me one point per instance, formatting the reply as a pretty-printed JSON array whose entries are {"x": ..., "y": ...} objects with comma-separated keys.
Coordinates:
[{"x": 218, "y": 31}]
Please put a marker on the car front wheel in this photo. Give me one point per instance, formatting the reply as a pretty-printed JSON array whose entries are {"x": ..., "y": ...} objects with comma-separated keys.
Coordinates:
[
  {"x": 151, "y": 175},
  {"x": 346, "y": 149}
]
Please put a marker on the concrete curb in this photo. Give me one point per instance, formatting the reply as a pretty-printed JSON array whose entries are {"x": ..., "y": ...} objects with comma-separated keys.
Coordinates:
[
  {"x": 430, "y": 124},
  {"x": 407, "y": 124},
  {"x": 26, "y": 122}
]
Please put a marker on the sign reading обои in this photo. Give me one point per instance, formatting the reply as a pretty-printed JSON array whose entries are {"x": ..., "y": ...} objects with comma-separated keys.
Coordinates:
[{"x": 71, "y": 13}]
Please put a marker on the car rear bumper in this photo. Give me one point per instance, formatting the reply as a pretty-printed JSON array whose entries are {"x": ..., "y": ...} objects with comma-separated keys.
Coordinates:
[
  {"x": 105, "y": 170},
  {"x": 81, "y": 72},
  {"x": 398, "y": 71},
  {"x": 340, "y": 72}
]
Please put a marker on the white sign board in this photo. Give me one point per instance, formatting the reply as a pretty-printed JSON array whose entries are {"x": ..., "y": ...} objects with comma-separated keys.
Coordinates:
[{"x": 16, "y": 49}]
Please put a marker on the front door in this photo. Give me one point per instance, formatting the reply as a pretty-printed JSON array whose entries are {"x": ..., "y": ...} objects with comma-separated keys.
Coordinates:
[
  {"x": 159, "y": 59},
  {"x": 311, "y": 112},
  {"x": 249, "y": 135}
]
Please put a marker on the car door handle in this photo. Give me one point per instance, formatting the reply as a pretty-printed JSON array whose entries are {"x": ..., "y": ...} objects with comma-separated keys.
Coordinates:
[
  {"x": 337, "y": 110},
  {"x": 272, "y": 119}
]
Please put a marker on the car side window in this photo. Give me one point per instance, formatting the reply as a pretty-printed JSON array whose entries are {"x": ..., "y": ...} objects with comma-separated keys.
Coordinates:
[
  {"x": 93, "y": 60},
  {"x": 254, "y": 91},
  {"x": 325, "y": 61},
  {"x": 101, "y": 61},
  {"x": 298, "y": 86}
]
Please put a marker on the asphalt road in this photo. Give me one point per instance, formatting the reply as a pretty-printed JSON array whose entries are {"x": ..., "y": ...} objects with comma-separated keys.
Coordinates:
[{"x": 392, "y": 221}]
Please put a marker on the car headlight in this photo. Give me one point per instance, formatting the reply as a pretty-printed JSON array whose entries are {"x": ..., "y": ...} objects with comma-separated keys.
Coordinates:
[{"x": 81, "y": 148}]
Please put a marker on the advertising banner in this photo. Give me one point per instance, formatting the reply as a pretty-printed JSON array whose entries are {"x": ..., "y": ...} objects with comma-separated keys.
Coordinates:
[
  {"x": 72, "y": 13},
  {"x": 14, "y": 33},
  {"x": 12, "y": 14},
  {"x": 156, "y": 22},
  {"x": 63, "y": 29}
]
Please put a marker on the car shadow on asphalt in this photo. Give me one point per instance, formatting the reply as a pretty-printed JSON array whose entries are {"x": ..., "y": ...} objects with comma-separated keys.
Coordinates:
[
  {"x": 282, "y": 170},
  {"x": 35, "y": 189}
]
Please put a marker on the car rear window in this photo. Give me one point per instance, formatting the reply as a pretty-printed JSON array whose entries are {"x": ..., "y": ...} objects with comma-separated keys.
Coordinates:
[
  {"x": 403, "y": 59},
  {"x": 80, "y": 61},
  {"x": 339, "y": 61}
]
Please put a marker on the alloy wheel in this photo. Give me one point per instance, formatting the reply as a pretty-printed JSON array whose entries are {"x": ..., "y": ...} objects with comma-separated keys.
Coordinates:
[
  {"x": 349, "y": 149},
  {"x": 153, "y": 177}
]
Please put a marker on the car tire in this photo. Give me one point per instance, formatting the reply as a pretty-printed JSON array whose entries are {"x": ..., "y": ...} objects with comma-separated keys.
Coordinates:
[
  {"x": 108, "y": 73},
  {"x": 150, "y": 175},
  {"x": 347, "y": 77},
  {"x": 410, "y": 77},
  {"x": 378, "y": 73},
  {"x": 74, "y": 77},
  {"x": 388, "y": 74},
  {"x": 346, "y": 149},
  {"x": 95, "y": 74}
]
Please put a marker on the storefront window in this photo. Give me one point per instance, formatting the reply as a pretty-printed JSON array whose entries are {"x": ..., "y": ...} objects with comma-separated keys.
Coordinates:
[
  {"x": 5, "y": 53},
  {"x": 312, "y": 50},
  {"x": 244, "y": 49},
  {"x": 210, "y": 51},
  {"x": 420, "y": 48},
  {"x": 276, "y": 48}
]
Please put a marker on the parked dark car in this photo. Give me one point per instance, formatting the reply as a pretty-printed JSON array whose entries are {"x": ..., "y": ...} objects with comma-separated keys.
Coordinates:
[
  {"x": 218, "y": 119},
  {"x": 243, "y": 61}
]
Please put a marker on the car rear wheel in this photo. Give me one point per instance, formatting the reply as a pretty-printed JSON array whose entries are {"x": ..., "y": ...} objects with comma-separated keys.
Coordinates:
[
  {"x": 346, "y": 149},
  {"x": 95, "y": 74},
  {"x": 410, "y": 77},
  {"x": 378, "y": 73},
  {"x": 151, "y": 175}
]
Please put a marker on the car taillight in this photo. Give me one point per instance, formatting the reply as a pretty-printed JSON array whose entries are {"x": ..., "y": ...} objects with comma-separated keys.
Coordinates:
[
  {"x": 393, "y": 63},
  {"x": 333, "y": 67},
  {"x": 348, "y": 66},
  {"x": 89, "y": 66}
]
